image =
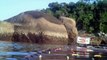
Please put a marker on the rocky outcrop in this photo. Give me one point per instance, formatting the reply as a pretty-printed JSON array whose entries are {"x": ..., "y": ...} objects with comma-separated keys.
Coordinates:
[
  {"x": 70, "y": 25},
  {"x": 51, "y": 33},
  {"x": 41, "y": 28}
]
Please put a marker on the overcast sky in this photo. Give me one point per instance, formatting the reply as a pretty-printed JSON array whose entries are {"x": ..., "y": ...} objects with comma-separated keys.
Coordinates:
[{"x": 9, "y": 8}]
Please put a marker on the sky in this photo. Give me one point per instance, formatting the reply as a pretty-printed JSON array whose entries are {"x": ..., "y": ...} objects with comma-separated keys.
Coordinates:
[{"x": 10, "y": 8}]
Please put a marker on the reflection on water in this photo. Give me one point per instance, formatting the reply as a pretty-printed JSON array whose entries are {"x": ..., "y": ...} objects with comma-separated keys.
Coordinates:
[
  {"x": 11, "y": 51},
  {"x": 23, "y": 47}
]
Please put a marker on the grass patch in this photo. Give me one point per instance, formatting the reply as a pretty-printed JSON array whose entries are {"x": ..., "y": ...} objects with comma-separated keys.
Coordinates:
[{"x": 6, "y": 27}]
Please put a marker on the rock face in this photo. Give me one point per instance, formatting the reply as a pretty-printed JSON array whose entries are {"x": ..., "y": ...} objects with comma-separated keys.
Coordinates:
[
  {"x": 72, "y": 32},
  {"x": 41, "y": 28}
]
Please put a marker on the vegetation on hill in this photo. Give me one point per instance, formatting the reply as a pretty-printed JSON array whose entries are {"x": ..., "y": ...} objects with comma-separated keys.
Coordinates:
[
  {"x": 6, "y": 27},
  {"x": 90, "y": 15},
  {"x": 6, "y": 30}
]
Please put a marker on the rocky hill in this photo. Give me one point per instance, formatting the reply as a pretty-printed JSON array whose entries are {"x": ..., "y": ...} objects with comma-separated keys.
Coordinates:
[{"x": 37, "y": 27}]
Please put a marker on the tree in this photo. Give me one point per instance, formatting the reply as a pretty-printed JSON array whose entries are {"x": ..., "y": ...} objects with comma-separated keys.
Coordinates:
[{"x": 90, "y": 15}]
